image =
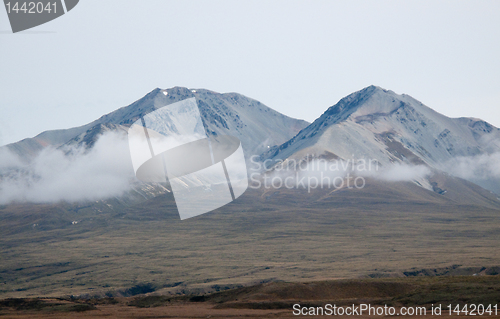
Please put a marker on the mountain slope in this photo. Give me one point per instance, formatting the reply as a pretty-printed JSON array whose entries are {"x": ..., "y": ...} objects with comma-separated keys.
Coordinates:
[
  {"x": 364, "y": 122},
  {"x": 255, "y": 124},
  {"x": 379, "y": 124}
]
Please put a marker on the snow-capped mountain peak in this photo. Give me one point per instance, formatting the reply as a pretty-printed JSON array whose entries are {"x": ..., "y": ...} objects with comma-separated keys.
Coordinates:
[
  {"x": 256, "y": 125},
  {"x": 378, "y": 124}
]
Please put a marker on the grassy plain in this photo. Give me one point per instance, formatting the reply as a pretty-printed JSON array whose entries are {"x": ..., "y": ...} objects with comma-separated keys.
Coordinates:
[{"x": 270, "y": 235}]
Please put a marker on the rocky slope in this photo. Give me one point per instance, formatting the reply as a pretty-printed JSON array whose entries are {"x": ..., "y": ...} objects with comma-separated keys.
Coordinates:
[
  {"x": 374, "y": 123},
  {"x": 256, "y": 125}
]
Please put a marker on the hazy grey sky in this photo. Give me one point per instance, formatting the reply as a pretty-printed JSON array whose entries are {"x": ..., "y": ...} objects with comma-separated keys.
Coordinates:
[{"x": 298, "y": 57}]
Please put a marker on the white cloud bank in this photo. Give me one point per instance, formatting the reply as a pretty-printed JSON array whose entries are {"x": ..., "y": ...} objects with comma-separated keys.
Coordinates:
[
  {"x": 106, "y": 171},
  {"x": 102, "y": 172},
  {"x": 485, "y": 166},
  {"x": 320, "y": 173}
]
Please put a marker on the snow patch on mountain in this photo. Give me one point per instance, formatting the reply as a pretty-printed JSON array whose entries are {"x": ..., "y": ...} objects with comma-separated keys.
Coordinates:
[
  {"x": 378, "y": 124},
  {"x": 256, "y": 125}
]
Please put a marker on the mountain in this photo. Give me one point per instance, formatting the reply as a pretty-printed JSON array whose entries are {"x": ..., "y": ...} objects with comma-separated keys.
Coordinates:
[
  {"x": 256, "y": 125},
  {"x": 122, "y": 243},
  {"x": 378, "y": 124}
]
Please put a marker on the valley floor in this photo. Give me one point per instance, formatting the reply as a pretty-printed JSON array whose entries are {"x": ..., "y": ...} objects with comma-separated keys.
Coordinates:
[{"x": 104, "y": 249}]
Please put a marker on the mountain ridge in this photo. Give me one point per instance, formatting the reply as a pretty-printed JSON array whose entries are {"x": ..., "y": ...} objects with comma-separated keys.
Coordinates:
[
  {"x": 371, "y": 123},
  {"x": 378, "y": 124},
  {"x": 214, "y": 107},
  {"x": 355, "y": 107}
]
